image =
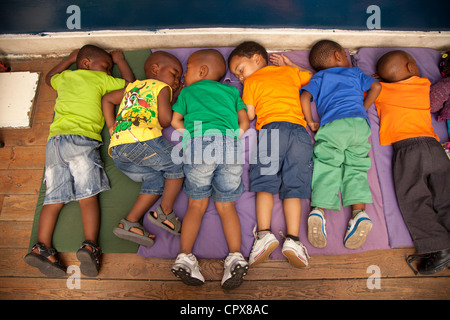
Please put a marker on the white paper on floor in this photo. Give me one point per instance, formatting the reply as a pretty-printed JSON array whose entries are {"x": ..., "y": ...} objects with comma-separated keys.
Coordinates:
[{"x": 17, "y": 93}]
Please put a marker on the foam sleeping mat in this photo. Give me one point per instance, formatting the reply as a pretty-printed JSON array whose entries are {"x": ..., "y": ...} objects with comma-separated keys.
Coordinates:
[
  {"x": 211, "y": 241},
  {"x": 427, "y": 61},
  {"x": 114, "y": 203}
]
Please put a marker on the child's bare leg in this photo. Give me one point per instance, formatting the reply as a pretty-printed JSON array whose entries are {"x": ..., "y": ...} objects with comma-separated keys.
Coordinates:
[
  {"x": 171, "y": 189},
  {"x": 231, "y": 225},
  {"x": 90, "y": 215},
  {"x": 47, "y": 222},
  {"x": 264, "y": 206},
  {"x": 292, "y": 212},
  {"x": 191, "y": 223}
]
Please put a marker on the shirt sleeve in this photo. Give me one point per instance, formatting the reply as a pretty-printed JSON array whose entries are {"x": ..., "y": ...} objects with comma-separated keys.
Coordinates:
[
  {"x": 304, "y": 77},
  {"x": 313, "y": 87},
  {"x": 366, "y": 81},
  {"x": 239, "y": 103},
  {"x": 180, "y": 105},
  {"x": 247, "y": 94},
  {"x": 112, "y": 84},
  {"x": 56, "y": 80}
]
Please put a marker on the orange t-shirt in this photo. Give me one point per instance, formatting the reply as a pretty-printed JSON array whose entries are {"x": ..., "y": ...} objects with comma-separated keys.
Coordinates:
[
  {"x": 404, "y": 110},
  {"x": 274, "y": 91}
]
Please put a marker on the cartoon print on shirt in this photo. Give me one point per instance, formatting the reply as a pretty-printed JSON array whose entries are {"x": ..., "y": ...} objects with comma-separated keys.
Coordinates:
[{"x": 135, "y": 110}]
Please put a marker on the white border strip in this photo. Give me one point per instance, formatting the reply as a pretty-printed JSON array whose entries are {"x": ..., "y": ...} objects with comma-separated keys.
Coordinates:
[{"x": 273, "y": 39}]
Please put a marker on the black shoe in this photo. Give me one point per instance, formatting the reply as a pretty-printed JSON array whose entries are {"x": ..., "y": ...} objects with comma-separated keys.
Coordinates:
[{"x": 432, "y": 262}]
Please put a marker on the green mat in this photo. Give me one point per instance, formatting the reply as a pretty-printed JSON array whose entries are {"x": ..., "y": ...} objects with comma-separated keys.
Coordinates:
[{"x": 114, "y": 203}]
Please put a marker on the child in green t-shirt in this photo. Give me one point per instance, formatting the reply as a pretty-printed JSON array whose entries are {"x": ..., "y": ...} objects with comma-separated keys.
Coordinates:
[
  {"x": 212, "y": 118},
  {"x": 73, "y": 167}
]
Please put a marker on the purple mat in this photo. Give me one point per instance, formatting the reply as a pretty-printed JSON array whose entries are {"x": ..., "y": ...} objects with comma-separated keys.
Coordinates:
[
  {"x": 427, "y": 61},
  {"x": 211, "y": 241}
]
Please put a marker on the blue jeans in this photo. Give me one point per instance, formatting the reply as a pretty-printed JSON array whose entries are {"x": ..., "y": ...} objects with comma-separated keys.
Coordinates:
[
  {"x": 73, "y": 169},
  {"x": 283, "y": 162},
  {"x": 148, "y": 162},
  {"x": 213, "y": 169}
]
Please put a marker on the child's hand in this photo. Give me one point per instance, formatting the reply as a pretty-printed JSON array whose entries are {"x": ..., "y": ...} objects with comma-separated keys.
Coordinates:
[
  {"x": 280, "y": 60},
  {"x": 376, "y": 76},
  {"x": 314, "y": 126},
  {"x": 117, "y": 55}
]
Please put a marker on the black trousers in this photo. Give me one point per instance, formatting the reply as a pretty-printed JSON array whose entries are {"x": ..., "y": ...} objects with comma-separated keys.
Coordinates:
[{"x": 421, "y": 171}]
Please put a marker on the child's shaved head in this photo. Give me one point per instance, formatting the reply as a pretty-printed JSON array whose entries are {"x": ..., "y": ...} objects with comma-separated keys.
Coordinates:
[
  {"x": 214, "y": 60},
  {"x": 396, "y": 65},
  {"x": 159, "y": 58}
]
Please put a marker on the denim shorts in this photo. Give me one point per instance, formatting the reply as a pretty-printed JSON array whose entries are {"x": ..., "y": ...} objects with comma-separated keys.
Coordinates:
[
  {"x": 148, "y": 162},
  {"x": 283, "y": 162},
  {"x": 213, "y": 168},
  {"x": 73, "y": 169}
]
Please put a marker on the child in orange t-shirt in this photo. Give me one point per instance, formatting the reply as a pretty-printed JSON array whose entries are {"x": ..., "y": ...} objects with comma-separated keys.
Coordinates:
[
  {"x": 284, "y": 158},
  {"x": 421, "y": 169}
]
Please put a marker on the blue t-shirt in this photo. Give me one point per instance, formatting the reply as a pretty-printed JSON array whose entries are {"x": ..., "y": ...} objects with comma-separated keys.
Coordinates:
[{"x": 338, "y": 93}]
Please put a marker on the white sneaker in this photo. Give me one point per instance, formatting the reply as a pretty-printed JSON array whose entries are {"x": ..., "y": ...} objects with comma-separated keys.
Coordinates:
[
  {"x": 357, "y": 231},
  {"x": 235, "y": 268},
  {"x": 317, "y": 234},
  {"x": 262, "y": 248},
  {"x": 296, "y": 253},
  {"x": 186, "y": 268}
]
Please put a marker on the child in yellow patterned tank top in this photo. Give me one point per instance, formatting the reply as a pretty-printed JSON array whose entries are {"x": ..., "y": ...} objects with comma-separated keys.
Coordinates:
[{"x": 139, "y": 150}]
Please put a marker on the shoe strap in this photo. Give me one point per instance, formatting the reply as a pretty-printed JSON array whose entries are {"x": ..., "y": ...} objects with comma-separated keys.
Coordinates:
[{"x": 44, "y": 251}]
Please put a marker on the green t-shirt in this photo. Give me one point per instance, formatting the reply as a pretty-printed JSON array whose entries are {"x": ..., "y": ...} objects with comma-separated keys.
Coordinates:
[
  {"x": 209, "y": 107},
  {"x": 78, "y": 107}
]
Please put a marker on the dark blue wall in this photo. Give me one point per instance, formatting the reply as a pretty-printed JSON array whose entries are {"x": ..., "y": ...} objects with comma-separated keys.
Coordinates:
[{"x": 38, "y": 16}]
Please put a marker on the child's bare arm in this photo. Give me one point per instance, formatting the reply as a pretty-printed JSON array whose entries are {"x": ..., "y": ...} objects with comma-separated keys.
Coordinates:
[
  {"x": 164, "y": 107},
  {"x": 372, "y": 94},
  {"x": 282, "y": 60},
  {"x": 119, "y": 59},
  {"x": 109, "y": 102},
  {"x": 250, "y": 111},
  {"x": 60, "y": 67},
  {"x": 305, "y": 101},
  {"x": 244, "y": 122},
  {"x": 178, "y": 122}
]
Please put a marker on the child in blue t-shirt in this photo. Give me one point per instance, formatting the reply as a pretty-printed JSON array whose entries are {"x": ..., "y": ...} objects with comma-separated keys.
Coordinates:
[{"x": 341, "y": 149}]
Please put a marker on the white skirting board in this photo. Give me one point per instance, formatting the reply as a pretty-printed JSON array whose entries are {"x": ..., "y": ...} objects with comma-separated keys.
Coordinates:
[
  {"x": 17, "y": 93},
  {"x": 274, "y": 39}
]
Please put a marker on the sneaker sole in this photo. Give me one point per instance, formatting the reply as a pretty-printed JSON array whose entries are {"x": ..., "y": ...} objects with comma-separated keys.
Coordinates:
[
  {"x": 237, "y": 277},
  {"x": 294, "y": 259},
  {"x": 359, "y": 236},
  {"x": 265, "y": 254},
  {"x": 185, "y": 276},
  {"x": 315, "y": 234}
]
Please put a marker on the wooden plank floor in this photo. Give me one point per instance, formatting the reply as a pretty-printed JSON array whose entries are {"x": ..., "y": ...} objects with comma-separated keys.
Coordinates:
[{"x": 127, "y": 276}]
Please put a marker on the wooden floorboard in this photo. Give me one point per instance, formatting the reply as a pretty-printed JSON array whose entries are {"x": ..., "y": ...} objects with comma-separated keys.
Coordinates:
[{"x": 373, "y": 275}]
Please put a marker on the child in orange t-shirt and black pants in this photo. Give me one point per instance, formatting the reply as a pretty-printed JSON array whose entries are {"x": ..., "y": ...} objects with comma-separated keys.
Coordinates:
[{"x": 421, "y": 169}]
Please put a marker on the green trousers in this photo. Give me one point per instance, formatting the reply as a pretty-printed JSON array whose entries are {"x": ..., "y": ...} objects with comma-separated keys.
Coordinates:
[{"x": 341, "y": 160}]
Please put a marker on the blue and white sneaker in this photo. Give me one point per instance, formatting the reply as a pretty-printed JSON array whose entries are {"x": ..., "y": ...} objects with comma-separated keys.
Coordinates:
[
  {"x": 317, "y": 234},
  {"x": 357, "y": 231}
]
